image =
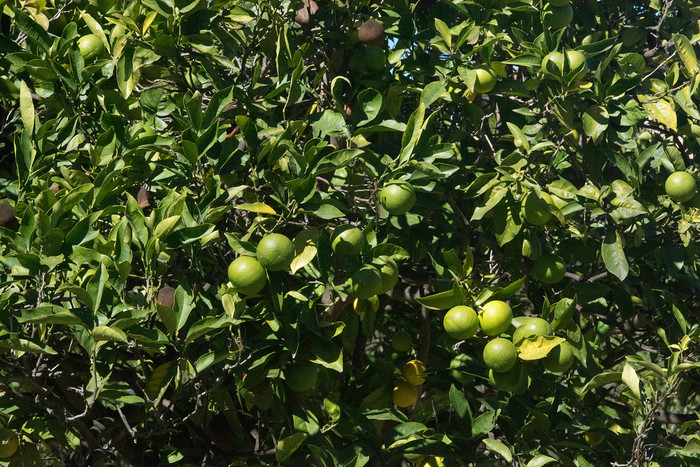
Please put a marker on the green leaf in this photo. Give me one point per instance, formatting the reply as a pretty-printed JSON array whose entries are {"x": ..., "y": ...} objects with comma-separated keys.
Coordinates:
[
  {"x": 444, "y": 32},
  {"x": 595, "y": 121},
  {"x": 692, "y": 447},
  {"x": 24, "y": 345},
  {"x": 614, "y": 256},
  {"x": 106, "y": 333},
  {"x": 484, "y": 423},
  {"x": 461, "y": 408},
  {"x": 498, "y": 447},
  {"x": 537, "y": 347},
  {"x": 166, "y": 226},
  {"x": 125, "y": 71},
  {"x": 432, "y": 92},
  {"x": 686, "y": 52},
  {"x": 630, "y": 378},
  {"x": 194, "y": 110},
  {"x": 443, "y": 300},
  {"x": 540, "y": 460},
  {"x": 32, "y": 29},
  {"x": 563, "y": 312},
  {"x": 26, "y": 107},
  {"x": 389, "y": 249},
  {"x": 412, "y": 134},
  {"x": 48, "y": 314},
  {"x": 287, "y": 446},
  {"x": 159, "y": 379},
  {"x": 366, "y": 107},
  {"x": 601, "y": 380}
]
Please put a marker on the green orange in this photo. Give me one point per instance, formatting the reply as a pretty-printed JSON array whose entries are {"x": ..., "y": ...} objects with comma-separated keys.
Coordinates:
[
  {"x": 397, "y": 197},
  {"x": 90, "y": 46},
  {"x": 549, "y": 268},
  {"x": 301, "y": 376},
  {"x": 247, "y": 275},
  {"x": 500, "y": 355},
  {"x": 495, "y": 317},
  {"x": 347, "y": 240},
  {"x": 531, "y": 327},
  {"x": 557, "y": 17},
  {"x": 401, "y": 341},
  {"x": 365, "y": 282},
  {"x": 536, "y": 210},
  {"x": 275, "y": 252},
  {"x": 680, "y": 186},
  {"x": 461, "y": 322},
  {"x": 389, "y": 271},
  {"x": 560, "y": 358},
  {"x": 507, "y": 380},
  {"x": 8, "y": 443},
  {"x": 485, "y": 80}
]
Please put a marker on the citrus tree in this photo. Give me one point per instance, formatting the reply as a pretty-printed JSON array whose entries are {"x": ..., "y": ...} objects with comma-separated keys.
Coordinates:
[{"x": 349, "y": 232}]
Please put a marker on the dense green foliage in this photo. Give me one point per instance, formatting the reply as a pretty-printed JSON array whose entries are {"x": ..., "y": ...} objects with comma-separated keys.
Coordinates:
[{"x": 146, "y": 144}]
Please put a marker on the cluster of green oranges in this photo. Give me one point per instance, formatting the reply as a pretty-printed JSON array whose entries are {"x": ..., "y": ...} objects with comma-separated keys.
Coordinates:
[
  {"x": 275, "y": 252},
  {"x": 500, "y": 355}
]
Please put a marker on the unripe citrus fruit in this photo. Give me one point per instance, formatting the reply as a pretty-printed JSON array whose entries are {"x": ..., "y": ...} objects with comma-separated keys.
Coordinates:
[
  {"x": 531, "y": 248},
  {"x": 577, "y": 61},
  {"x": 347, "y": 240},
  {"x": 401, "y": 342},
  {"x": 553, "y": 63},
  {"x": 500, "y": 355},
  {"x": 680, "y": 186},
  {"x": 365, "y": 282},
  {"x": 508, "y": 380},
  {"x": 593, "y": 438},
  {"x": 389, "y": 271},
  {"x": 397, "y": 197},
  {"x": 495, "y": 317},
  {"x": 459, "y": 366},
  {"x": 371, "y": 32},
  {"x": 8, "y": 443},
  {"x": 558, "y": 2},
  {"x": 413, "y": 372},
  {"x": 275, "y": 252},
  {"x": 363, "y": 305},
  {"x": 247, "y": 275},
  {"x": 90, "y": 46},
  {"x": 549, "y": 268},
  {"x": 557, "y": 17},
  {"x": 531, "y": 327},
  {"x": 404, "y": 394},
  {"x": 560, "y": 358},
  {"x": 536, "y": 210},
  {"x": 461, "y": 322},
  {"x": 695, "y": 202},
  {"x": 301, "y": 376},
  {"x": 485, "y": 80}
]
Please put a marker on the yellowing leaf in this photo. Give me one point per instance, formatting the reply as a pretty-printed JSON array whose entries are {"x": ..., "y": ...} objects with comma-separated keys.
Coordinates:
[
  {"x": 305, "y": 248},
  {"x": 537, "y": 347},
  {"x": 500, "y": 448},
  {"x": 660, "y": 109},
  {"x": 260, "y": 208}
]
